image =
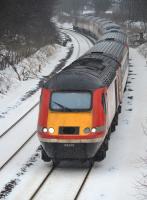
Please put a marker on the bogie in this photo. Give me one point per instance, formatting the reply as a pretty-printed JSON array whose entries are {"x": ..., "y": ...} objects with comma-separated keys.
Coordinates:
[{"x": 44, "y": 156}]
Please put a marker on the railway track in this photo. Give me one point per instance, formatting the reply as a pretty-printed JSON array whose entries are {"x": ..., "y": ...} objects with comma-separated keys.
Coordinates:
[
  {"x": 39, "y": 192},
  {"x": 21, "y": 118},
  {"x": 21, "y": 135},
  {"x": 76, "y": 54},
  {"x": 86, "y": 39},
  {"x": 68, "y": 185},
  {"x": 83, "y": 183},
  {"x": 16, "y": 152},
  {"x": 17, "y": 137},
  {"x": 42, "y": 183}
]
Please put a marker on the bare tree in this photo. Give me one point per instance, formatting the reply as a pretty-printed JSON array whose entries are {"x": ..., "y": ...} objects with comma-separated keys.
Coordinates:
[
  {"x": 101, "y": 5},
  {"x": 25, "y": 26},
  {"x": 134, "y": 10}
]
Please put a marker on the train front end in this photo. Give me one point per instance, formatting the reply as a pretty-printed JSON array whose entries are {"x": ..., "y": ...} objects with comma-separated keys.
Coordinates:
[{"x": 72, "y": 123}]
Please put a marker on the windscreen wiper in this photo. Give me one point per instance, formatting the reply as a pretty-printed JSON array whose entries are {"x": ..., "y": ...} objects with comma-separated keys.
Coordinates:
[{"x": 62, "y": 106}]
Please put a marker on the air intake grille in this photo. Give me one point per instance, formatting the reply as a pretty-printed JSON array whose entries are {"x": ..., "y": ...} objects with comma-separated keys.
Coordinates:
[{"x": 68, "y": 130}]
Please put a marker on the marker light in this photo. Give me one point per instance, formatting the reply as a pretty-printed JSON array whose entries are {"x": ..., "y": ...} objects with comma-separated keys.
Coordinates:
[
  {"x": 87, "y": 130},
  {"x": 45, "y": 130},
  {"x": 51, "y": 130},
  {"x": 93, "y": 130}
]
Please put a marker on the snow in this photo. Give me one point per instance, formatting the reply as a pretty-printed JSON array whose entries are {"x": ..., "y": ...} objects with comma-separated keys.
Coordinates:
[
  {"x": 65, "y": 25},
  {"x": 143, "y": 50},
  {"x": 65, "y": 181},
  {"x": 88, "y": 12},
  {"x": 115, "y": 178},
  {"x": 18, "y": 135},
  {"x": 109, "y": 12}
]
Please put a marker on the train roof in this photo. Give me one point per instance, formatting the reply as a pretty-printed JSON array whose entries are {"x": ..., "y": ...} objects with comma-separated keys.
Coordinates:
[
  {"x": 110, "y": 26},
  {"x": 116, "y": 31},
  {"x": 73, "y": 80},
  {"x": 101, "y": 20},
  {"x": 112, "y": 48},
  {"x": 117, "y": 36},
  {"x": 89, "y": 72},
  {"x": 103, "y": 23}
]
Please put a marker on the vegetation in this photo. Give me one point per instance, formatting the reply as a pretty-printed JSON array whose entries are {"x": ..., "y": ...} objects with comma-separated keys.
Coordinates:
[
  {"x": 134, "y": 10},
  {"x": 101, "y": 5},
  {"x": 74, "y": 7},
  {"x": 25, "y": 26}
]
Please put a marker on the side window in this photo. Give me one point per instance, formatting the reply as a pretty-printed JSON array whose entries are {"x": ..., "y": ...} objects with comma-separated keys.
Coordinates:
[{"x": 104, "y": 102}]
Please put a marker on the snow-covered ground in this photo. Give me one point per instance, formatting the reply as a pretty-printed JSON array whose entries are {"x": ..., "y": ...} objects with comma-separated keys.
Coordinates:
[{"x": 116, "y": 178}]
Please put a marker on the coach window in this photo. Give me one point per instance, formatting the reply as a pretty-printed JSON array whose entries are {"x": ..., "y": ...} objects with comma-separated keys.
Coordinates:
[{"x": 104, "y": 102}]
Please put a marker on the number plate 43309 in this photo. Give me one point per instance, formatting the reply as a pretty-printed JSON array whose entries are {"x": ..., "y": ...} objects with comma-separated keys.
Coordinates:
[{"x": 69, "y": 145}]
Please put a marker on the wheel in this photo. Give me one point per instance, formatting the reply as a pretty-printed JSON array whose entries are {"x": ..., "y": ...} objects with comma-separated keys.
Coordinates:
[
  {"x": 90, "y": 162},
  {"x": 112, "y": 127},
  {"x": 115, "y": 120},
  {"x": 125, "y": 89},
  {"x": 106, "y": 144},
  {"x": 55, "y": 162},
  {"x": 44, "y": 156},
  {"x": 108, "y": 134},
  {"x": 119, "y": 109},
  {"x": 101, "y": 154}
]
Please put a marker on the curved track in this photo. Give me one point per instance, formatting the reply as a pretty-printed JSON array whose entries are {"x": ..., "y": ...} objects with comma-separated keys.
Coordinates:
[{"x": 19, "y": 142}]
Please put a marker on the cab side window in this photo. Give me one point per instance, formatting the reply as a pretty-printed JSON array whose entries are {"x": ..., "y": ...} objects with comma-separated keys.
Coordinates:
[{"x": 104, "y": 102}]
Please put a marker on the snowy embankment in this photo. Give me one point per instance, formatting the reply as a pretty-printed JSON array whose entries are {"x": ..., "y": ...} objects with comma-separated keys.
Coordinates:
[
  {"x": 19, "y": 89},
  {"x": 29, "y": 68},
  {"x": 34, "y": 67},
  {"x": 143, "y": 50}
]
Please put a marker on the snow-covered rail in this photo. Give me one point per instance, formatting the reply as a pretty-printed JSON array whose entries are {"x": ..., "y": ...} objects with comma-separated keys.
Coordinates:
[
  {"x": 68, "y": 184},
  {"x": 18, "y": 136},
  {"x": 21, "y": 118},
  {"x": 42, "y": 183},
  {"x": 81, "y": 44},
  {"x": 14, "y": 154}
]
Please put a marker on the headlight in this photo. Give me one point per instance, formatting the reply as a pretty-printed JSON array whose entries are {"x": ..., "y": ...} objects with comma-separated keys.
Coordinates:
[
  {"x": 45, "y": 130},
  {"x": 51, "y": 130},
  {"x": 87, "y": 130},
  {"x": 93, "y": 130}
]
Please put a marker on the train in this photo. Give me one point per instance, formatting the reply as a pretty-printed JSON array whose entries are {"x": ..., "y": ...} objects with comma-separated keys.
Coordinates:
[
  {"x": 95, "y": 26},
  {"x": 79, "y": 105}
]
